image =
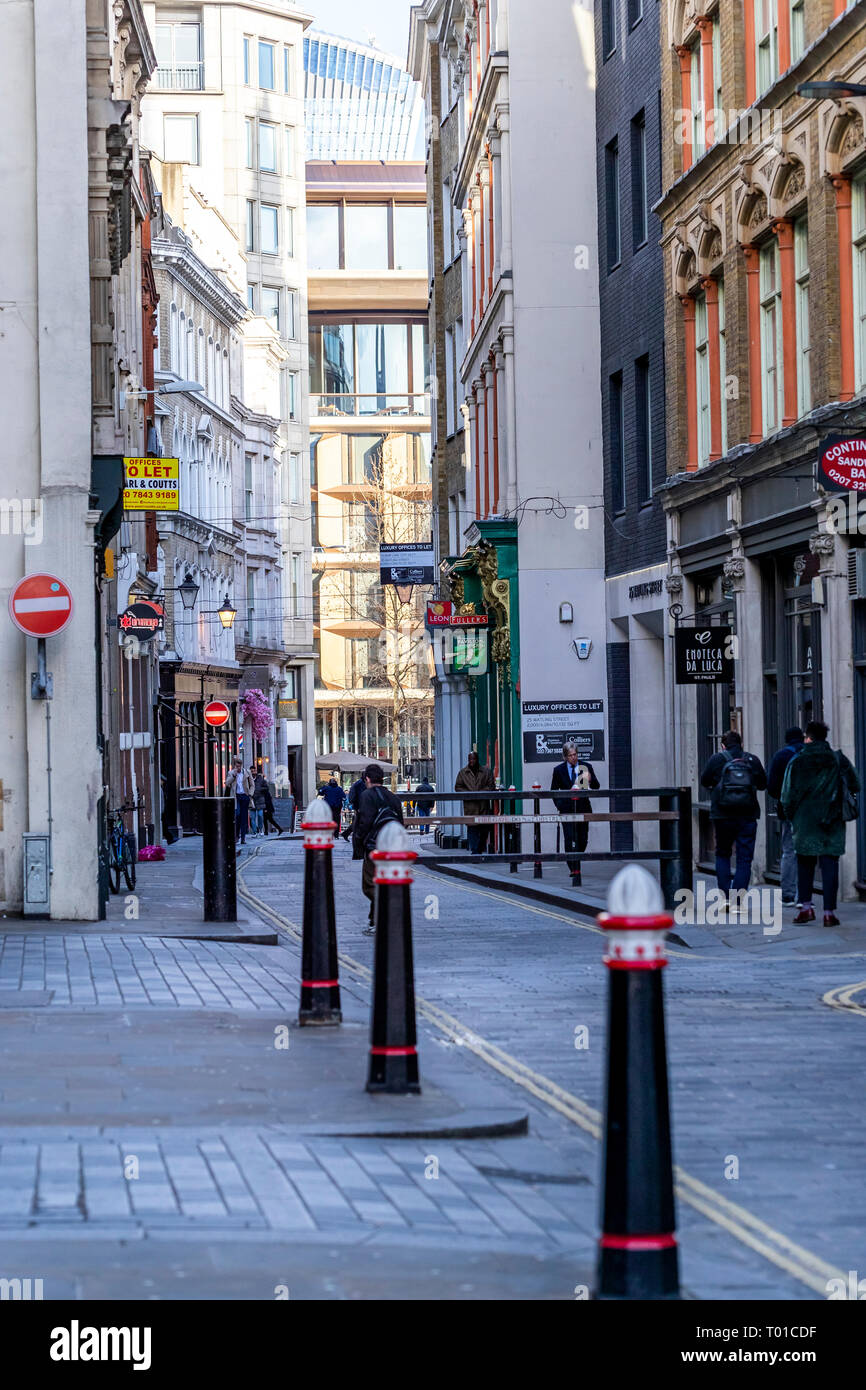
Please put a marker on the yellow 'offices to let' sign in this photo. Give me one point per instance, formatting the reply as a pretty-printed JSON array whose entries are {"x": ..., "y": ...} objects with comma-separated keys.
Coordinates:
[{"x": 151, "y": 485}]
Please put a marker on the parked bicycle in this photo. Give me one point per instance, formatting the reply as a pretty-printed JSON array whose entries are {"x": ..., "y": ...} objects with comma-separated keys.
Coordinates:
[{"x": 121, "y": 849}]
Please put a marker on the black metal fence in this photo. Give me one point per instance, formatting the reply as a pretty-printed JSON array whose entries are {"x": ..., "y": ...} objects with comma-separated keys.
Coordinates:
[{"x": 674, "y": 854}]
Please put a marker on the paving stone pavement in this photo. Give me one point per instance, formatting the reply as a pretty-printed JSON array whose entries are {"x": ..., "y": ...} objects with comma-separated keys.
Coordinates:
[{"x": 155, "y": 1143}]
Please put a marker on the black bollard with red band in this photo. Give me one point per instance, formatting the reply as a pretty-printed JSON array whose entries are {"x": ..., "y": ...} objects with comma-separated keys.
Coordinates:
[
  {"x": 393, "y": 1039},
  {"x": 638, "y": 1249},
  {"x": 320, "y": 985}
]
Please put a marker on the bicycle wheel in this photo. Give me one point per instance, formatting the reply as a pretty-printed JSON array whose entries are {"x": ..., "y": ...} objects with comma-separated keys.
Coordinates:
[
  {"x": 128, "y": 865},
  {"x": 113, "y": 865}
]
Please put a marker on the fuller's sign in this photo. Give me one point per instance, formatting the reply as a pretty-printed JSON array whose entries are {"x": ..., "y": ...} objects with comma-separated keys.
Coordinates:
[
  {"x": 842, "y": 463},
  {"x": 704, "y": 655}
]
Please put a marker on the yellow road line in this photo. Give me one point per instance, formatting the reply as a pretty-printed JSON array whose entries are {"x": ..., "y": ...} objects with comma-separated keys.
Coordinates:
[
  {"x": 743, "y": 1225},
  {"x": 840, "y": 998}
]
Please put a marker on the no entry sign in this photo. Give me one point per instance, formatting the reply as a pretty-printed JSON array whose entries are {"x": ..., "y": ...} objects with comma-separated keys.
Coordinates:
[
  {"x": 216, "y": 714},
  {"x": 40, "y": 605}
]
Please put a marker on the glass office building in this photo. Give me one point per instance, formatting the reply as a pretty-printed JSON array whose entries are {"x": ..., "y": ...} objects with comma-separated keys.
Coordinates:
[{"x": 360, "y": 103}]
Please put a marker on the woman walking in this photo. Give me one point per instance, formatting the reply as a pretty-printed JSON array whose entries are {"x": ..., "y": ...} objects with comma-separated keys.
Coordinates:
[{"x": 816, "y": 793}]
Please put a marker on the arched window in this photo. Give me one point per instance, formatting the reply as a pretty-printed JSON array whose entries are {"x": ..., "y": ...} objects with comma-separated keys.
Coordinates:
[
  {"x": 172, "y": 339},
  {"x": 181, "y": 346},
  {"x": 190, "y": 350},
  {"x": 200, "y": 362},
  {"x": 210, "y": 389},
  {"x": 226, "y": 385}
]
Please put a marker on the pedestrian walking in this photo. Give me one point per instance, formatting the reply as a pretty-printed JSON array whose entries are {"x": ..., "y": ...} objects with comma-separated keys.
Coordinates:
[
  {"x": 257, "y": 807},
  {"x": 377, "y": 804},
  {"x": 473, "y": 778},
  {"x": 819, "y": 794},
  {"x": 424, "y": 804},
  {"x": 735, "y": 778},
  {"x": 572, "y": 776},
  {"x": 335, "y": 796},
  {"x": 267, "y": 808},
  {"x": 775, "y": 778},
  {"x": 352, "y": 798},
  {"x": 239, "y": 784}
]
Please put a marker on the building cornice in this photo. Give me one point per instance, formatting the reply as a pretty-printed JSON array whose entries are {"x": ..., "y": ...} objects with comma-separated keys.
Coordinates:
[
  {"x": 189, "y": 270},
  {"x": 496, "y": 68}
]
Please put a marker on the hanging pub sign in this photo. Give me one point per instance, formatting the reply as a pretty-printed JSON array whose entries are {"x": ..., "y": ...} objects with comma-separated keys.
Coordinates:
[
  {"x": 842, "y": 463},
  {"x": 704, "y": 655},
  {"x": 151, "y": 485},
  {"x": 406, "y": 562},
  {"x": 143, "y": 618}
]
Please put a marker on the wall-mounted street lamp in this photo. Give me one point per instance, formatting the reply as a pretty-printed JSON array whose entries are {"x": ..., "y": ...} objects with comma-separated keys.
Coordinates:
[
  {"x": 829, "y": 90},
  {"x": 227, "y": 613},
  {"x": 188, "y": 591}
]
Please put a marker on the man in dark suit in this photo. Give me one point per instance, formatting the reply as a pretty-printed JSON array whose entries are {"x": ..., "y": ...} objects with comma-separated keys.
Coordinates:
[{"x": 573, "y": 776}]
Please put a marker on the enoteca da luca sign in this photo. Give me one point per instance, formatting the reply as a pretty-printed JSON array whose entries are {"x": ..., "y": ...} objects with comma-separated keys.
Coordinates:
[{"x": 704, "y": 655}]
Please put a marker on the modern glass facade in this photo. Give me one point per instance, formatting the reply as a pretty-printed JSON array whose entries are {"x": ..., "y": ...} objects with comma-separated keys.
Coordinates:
[{"x": 360, "y": 103}]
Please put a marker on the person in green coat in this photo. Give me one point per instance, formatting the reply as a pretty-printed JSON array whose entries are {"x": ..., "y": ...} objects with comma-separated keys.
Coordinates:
[{"x": 812, "y": 801}]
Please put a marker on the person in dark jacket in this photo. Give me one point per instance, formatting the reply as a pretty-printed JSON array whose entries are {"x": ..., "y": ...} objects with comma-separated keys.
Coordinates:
[
  {"x": 812, "y": 795},
  {"x": 775, "y": 778},
  {"x": 472, "y": 778},
  {"x": 335, "y": 796},
  {"x": 572, "y": 776},
  {"x": 424, "y": 804},
  {"x": 734, "y": 808},
  {"x": 267, "y": 805},
  {"x": 352, "y": 798},
  {"x": 376, "y": 804}
]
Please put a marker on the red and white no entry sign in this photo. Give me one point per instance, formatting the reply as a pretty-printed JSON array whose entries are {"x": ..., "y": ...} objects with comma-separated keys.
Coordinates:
[
  {"x": 40, "y": 605},
  {"x": 216, "y": 714}
]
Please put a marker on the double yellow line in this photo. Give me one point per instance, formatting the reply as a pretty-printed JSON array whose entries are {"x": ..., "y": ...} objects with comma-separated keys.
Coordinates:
[
  {"x": 842, "y": 997},
  {"x": 748, "y": 1229}
]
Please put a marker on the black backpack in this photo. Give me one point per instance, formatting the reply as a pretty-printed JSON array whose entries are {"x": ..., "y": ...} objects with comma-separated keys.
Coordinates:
[
  {"x": 736, "y": 789},
  {"x": 385, "y": 813}
]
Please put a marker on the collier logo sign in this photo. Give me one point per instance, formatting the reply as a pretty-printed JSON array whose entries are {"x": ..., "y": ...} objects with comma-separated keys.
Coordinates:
[
  {"x": 704, "y": 655},
  {"x": 842, "y": 464}
]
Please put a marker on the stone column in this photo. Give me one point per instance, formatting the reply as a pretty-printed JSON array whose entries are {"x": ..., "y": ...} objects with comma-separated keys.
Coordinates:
[
  {"x": 472, "y": 482},
  {"x": 784, "y": 231},
  {"x": 494, "y": 142},
  {"x": 753, "y": 308},
  {"x": 502, "y": 120},
  {"x": 508, "y": 420},
  {"x": 842, "y": 185}
]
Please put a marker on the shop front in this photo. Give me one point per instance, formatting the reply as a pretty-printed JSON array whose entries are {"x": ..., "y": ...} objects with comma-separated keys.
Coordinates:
[{"x": 194, "y": 758}]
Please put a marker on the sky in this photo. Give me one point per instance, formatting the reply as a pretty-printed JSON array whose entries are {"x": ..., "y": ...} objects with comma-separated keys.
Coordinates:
[{"x": 388, "y": 20}]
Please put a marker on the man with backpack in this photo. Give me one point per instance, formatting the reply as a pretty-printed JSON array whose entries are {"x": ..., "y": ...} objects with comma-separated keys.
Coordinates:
[
  {"x": 735, "y": 778},
  {"x": 377, "y": 804}
]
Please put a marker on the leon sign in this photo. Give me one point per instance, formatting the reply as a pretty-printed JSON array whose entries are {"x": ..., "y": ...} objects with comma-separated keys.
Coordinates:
[{"x": 151, "y": 485}]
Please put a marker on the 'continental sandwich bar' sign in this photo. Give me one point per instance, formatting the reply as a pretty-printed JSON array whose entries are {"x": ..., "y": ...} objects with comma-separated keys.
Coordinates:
[{"x": 151, "y": 485}]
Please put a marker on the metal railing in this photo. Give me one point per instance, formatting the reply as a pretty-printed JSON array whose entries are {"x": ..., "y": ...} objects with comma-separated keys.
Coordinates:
[
  {"x": 187, "y": 77},
  {"x": 369, "y": 403},
  {"x": 674, "y": 854}
]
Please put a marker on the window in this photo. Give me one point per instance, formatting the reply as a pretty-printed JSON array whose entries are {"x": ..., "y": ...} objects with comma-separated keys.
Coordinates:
[
  {"x": 173, "y": 348},
  {"x": 251, "y": 601},
  {"x": 291, "y": 314},
  {"x": 410, "y": 238},
  {"x": 447, "y": 225},
  {"x": 251, "y": 226},
  {"x": 639, "y": 217},
  {"x": 449, "y": 381},
  {"x": 798, "y": 29},
  {"x": 366, "y": 237},
  {"x": 697, "y": 101},
  {"x": 267, "y": 66},
  {"x": 323, "y": 236},
  {"x": 250, "y": 129},
  {"x": 617, "y": 442},
  {"x": 295, "y": 582},
  {"x": 249, "y": 461},
  {"x": 294, "y": 477},
  {"x": 635, "y": 12},
  {"x": 271, "y": 306},
  {"x": 771, "y": 337},
  {"x": 767, "y": 41},
  {"x": 702, "y": 376},
  {"x": 290, "y": 151},
  {"x": 292, "y": 386},
  {"x": 269, "y": 229},
  {"x": 247, "y": 43},
  {"x": 178, "y": 55},
  {"x": 801, "y": 294},
  {"x": 608, "y": 27},
  {"x": 858, "y": 189},
  {"x": 643, "y": 426},
  {"x": 288, "y": 70},
  {"x": 267, "y": 147},
  {"x": 289, "y": 220},
  {"x": 180, "y": 139},
  {"x": 611, "y": 189},
  {"x": 251, "y": 298},
  {"x": 723, "y": 366}
]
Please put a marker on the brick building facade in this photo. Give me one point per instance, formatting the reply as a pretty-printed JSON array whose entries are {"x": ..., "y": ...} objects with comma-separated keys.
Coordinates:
[{"x": 763, "y": 219}]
